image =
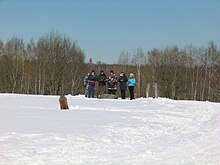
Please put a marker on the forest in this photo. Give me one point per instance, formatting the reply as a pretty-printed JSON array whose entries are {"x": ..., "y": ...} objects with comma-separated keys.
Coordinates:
[{"x": 56, "y": 65}]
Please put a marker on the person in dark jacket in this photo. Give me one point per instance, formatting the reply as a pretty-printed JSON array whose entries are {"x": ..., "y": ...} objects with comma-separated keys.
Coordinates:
[
  {"x": 102, "y": 78},
  {"x": 112, "y": 83},
  {"x": 122, "y": 84},
  {"x": 91, "y": 84}
]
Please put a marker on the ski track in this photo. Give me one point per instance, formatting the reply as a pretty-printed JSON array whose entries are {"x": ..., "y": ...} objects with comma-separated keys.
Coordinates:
[{"x": 111, "y": 132}]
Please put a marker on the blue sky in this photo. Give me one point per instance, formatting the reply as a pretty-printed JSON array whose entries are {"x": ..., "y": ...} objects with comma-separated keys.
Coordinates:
[{"x": 105, "y": 28}]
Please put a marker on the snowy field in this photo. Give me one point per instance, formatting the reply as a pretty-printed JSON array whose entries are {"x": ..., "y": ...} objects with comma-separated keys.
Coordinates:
[{"x": 34, "y": 131}]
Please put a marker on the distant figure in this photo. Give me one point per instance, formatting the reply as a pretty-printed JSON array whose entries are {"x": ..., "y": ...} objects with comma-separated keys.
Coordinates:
[
  {"x": 86, "y": 84},
  {"x": 123, "y": 84},
  {"x": 131, "y": 84},
  {"x": 112, "y": 83},
  {"x": 102, "y": 78},
  {"x": 91, "y": 82},
  {"x": 63, "y": 102}
]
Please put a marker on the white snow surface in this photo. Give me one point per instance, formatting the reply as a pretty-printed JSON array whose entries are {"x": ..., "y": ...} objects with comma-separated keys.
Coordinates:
[{"x": 145, "y": 131}]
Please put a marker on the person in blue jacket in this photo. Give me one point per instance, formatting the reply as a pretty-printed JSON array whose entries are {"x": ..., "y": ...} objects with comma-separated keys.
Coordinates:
[{"x": 131, "y": 84}]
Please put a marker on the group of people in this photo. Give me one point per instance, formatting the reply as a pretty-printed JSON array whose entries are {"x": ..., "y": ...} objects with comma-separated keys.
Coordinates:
[{"x": 112, "y": 82}]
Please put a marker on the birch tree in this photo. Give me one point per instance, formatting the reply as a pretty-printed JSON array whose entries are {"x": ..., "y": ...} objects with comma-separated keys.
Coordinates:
[{"x": 139, "y": 59}]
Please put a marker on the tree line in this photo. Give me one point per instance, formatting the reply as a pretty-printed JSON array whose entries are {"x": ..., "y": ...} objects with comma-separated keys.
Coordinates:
[
  {"x": 55, "y": 65},
  {"x": 189, "y": 73}
]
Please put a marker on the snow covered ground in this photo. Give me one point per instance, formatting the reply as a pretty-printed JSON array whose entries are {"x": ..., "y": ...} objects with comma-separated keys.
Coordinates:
[{"x": 34, "y": 131}]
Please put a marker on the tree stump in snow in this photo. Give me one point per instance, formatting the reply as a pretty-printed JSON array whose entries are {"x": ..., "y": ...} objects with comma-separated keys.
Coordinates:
[{"x": 63, "y": 102}]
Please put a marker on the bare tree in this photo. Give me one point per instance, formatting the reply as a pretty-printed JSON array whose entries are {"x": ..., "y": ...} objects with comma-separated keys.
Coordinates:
[
  {"x": 138, "y": 60},
  {"x": 58, "y": 56},
  {"x": 124, "y": 61}
]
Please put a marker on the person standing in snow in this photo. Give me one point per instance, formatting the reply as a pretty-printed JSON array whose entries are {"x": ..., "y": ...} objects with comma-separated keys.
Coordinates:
[
  {"x": 86, "y": 84},
  {"x": 122, "y": 84},
  {"x": 102, "y": 83},
  {"x": 91, "y": 84},
  {"x": 131, "y": 84},
  {"x": 112, "y": 83}
]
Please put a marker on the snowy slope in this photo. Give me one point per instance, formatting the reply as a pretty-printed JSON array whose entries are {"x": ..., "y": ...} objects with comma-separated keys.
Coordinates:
[{"x": 33, "y": 131}]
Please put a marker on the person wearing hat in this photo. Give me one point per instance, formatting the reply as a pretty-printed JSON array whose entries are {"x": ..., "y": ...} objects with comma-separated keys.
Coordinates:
[
  {"x": 122, "y": 84},
  {"x": 102, "y": 78},
  {"x": 91, "y": 84},
  {"x": 131, "y": 84},
  {"x": 112, "y": 83}
]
